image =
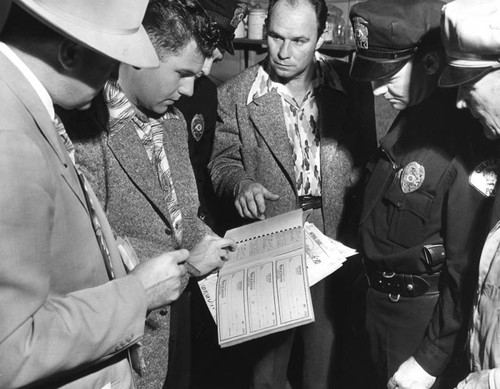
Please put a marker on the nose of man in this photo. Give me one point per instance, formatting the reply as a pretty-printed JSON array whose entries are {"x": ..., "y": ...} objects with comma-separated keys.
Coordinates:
[
  {"x": 187, "y": 86},
  {"x": 207, "y": 65},
  {"x": 379, "y": 88},
  {"x": 461, "y": 101},
  {"x": 284, "y": 51}
]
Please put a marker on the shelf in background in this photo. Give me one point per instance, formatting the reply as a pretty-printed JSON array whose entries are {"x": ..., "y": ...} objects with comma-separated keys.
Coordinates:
[{"x": 242, "y": 43}]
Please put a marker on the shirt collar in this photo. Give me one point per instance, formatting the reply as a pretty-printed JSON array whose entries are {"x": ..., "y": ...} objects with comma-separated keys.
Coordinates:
[
  {"x": 32, "y": 79},
  {"x": 325, "y": 75},
  {"x": 121, "y": 108}
]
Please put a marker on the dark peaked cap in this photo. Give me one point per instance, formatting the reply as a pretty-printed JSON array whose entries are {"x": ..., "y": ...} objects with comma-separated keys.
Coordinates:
[
  {"x": 227, "y": 14},
  {"x": 388, "y": 32}
]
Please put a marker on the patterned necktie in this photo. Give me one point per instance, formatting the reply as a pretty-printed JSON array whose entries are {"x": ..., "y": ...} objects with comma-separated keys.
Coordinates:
[
  {"x": 101, "y": 240},
  {"x": 64, "y": 135},
  {"x": 135, "y": 350}
]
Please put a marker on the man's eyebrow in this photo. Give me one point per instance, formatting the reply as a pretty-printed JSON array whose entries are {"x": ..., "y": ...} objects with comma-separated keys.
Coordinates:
[{"x": 274, "y": 34}]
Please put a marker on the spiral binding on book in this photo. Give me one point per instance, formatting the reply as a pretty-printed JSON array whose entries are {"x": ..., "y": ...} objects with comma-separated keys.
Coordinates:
[{"x": 271, "y": 233}]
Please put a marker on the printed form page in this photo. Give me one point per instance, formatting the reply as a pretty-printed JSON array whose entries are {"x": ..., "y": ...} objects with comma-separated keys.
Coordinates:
[{"x": 264, "y": 286}]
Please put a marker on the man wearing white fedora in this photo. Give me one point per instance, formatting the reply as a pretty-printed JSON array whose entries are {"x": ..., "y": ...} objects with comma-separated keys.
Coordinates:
[{"x": 70, "y": 316}]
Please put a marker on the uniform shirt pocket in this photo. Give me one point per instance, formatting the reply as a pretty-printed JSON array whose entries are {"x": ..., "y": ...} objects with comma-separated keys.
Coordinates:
[{"x": 407, "y": 214}]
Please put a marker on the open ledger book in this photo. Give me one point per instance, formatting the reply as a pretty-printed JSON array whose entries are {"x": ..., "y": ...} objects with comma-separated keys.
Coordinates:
[{"x": 264, "y": 287}]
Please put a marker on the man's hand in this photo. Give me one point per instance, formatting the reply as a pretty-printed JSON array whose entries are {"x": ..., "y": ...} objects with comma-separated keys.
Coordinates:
[
  {"x": 211, "y": 253},
  {"x": 250, "y": 199},
  {"x": 411, "y": 375},
  {"x": 477, "y": 380},
  {"x": 161, "y": 277}
]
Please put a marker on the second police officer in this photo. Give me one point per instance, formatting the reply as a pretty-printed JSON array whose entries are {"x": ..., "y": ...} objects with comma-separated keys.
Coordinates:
[{"x": 418, "y": 225}]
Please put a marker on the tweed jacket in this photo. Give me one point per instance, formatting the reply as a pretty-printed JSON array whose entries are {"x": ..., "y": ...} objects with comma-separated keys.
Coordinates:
[
  {"x": 63, "y": 323},
  {"x": 127, "y": 186},
  {"x": 251, "y": 142}
]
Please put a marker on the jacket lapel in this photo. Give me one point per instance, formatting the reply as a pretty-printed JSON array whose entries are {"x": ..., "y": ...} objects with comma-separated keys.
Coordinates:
[
  {"x": 132, "y": 157},
  {"x": 266, "y": 113},
  {"x": 175, "y": 142},
  {"x": 23, "y": 89}
]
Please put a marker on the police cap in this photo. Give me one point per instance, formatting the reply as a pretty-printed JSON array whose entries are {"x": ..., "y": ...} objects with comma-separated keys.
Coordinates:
[
  {"x": 227, "y": 14},
  {"x": 471, "y": 34},
  {"x": 388, "y": 33}
]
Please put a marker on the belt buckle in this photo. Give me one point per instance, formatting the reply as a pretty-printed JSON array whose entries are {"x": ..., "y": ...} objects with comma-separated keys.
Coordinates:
[{"x": 392, "y": 298}]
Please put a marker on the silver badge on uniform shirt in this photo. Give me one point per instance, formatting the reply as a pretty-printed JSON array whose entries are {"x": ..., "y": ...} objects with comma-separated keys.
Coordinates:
[
  {"x": 412, "y": 177},
  {"x": 484, "y": 177},
  {"x": 197, "y": 126}
]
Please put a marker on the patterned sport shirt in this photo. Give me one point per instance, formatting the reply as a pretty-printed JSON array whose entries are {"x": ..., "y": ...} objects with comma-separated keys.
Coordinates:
[{"x": 301, "y": 121}]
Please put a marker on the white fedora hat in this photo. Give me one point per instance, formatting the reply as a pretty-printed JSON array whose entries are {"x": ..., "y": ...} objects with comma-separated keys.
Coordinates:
[{"x": 111, "y": 27}]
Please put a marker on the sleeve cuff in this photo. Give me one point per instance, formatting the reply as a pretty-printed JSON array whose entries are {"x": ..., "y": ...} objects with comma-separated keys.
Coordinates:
[{"x": 432, "y": 359}]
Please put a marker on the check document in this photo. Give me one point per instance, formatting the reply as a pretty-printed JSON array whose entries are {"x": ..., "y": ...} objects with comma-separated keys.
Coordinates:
[{"x": 264, "y": 288}]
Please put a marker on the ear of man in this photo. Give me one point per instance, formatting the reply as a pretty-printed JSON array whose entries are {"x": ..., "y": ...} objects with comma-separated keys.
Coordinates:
[
  {"x": 431, "y": 62},
  {"x": 69, "y": 54}
]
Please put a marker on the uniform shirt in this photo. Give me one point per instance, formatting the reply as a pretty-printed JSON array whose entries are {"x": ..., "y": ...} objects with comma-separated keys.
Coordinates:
[
  {"x": 442, "y": 209},
  {"x": 301, "y": 121}
]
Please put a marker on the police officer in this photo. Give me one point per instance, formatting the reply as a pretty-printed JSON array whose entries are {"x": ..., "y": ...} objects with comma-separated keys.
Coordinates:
[{"x": 419, "y": 215}]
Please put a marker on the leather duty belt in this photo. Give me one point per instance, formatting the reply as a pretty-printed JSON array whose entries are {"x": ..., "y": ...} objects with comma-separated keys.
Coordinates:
[{"x": 406, "y": 285}]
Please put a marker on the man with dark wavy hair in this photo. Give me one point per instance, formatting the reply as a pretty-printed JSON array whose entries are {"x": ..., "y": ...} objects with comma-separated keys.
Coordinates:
[{"x": 140, "y": 162}]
